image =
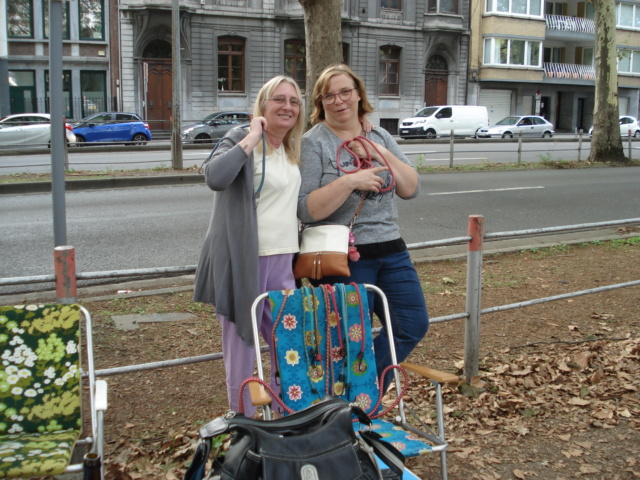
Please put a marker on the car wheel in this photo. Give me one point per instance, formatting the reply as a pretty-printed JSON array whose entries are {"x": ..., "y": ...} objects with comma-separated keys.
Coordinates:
[
  {"x": 203, "y": 138},
  {"x": 80, "y": 141},
  {"x": 507, "y": 135},
  {"x": 546, "y": 134},
  {"x": 636, "y": 134},
  {"x": 139, "y": 139},
  {"x": 430, "y": 134}
]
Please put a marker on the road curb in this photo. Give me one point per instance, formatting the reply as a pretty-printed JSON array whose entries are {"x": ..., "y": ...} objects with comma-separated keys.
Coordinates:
[{"x": 102, "y": 183}]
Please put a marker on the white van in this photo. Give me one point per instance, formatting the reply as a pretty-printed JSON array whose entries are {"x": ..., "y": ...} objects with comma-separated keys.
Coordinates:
[{"x": 433, "y": 122}]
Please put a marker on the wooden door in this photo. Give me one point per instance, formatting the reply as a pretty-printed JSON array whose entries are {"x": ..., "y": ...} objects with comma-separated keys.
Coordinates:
[
  {"x": 435, "y": 89},
  {"x": 159, "y": 94}
]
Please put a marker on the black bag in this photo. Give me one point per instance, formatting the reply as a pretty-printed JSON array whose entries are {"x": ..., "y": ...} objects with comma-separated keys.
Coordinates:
[{"x": 318, "y": 443}]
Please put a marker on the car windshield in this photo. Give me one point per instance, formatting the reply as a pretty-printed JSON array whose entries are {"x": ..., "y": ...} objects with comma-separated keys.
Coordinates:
[
  {"x": 426, "y": 112},
  {"x": 508, "y": 121},
  {"x": 210, "y": 117}
]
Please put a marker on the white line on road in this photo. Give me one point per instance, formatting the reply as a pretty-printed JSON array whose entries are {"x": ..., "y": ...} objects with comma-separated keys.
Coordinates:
[{"x": 488, "y": 190}]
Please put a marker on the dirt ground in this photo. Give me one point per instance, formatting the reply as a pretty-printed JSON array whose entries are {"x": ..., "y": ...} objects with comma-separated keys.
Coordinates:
[{"x": 558, "y": 395}]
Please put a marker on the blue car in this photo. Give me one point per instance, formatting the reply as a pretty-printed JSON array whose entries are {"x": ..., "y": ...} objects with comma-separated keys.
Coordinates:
[{"x": 112, "y": 127}]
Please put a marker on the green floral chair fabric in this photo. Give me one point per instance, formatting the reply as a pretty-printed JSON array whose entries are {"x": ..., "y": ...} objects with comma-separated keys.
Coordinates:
[{"x": 40, "y": 391}]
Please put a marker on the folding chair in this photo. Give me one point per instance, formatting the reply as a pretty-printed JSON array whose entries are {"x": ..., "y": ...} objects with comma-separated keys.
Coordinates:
[
  {"x": 323, "y": 345},
  {"x": 41, "y": 391}
]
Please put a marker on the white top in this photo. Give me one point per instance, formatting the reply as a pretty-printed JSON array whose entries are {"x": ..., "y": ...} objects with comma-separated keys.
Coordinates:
[{"x": 277, "y": 205}]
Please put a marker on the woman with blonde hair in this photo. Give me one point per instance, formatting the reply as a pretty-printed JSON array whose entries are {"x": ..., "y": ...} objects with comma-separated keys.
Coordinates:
[{"x": 253, "y": 233}]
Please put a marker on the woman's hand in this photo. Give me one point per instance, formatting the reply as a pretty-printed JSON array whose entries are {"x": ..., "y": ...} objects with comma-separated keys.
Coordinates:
[
  {"x": 367, "y": 126},
  {"x": 367, "y": 180},
  {"x": 256, "y": 127}
]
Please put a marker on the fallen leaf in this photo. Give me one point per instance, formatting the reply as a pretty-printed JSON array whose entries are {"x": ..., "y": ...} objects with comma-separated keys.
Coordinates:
[{"x": 519, "y": 474}]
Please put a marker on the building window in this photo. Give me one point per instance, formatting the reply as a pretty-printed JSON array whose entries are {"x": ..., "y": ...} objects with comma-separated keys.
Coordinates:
[
  {"x": 442, "y": 6},
  {"x": 22, "y": 91},
  {"x": 506, "y": 51},
  {"x": 391, "y": 5},
  {"x": 389, "y": 70},
  {"x": 628, "y": 61},
  {"x": 555, "y": 8},
  {"x": 93, "y": 86},
  {"x": 295, "y": 62},
  {"x": 66, "y": 93},
  {"x": 628, "y": 15},
  {"x": 65, "y": 19},
  {"x": 554, "y": 54},
  {"x": 231, "y": 64},
  {"x": 91, "y": 19},
  {"x": 20, "y": 18},
  {"x": 532, "y": 8}
]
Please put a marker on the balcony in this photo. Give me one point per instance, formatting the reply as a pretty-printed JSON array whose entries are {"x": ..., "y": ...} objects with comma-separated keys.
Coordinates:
[
  {"x": 569, "y": 71},
  {"x": 570, "y": 24}
]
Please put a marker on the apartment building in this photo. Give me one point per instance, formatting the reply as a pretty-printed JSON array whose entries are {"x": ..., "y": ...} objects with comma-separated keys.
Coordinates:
[
  {"x": 537, "y": 57},
  {"x": 409, "y": 54},
  {"x": 85, "y": 50}
]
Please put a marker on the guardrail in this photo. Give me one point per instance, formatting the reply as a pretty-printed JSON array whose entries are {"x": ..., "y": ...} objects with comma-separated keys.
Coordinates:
[
  {"x": 522, "y": 146},
  {"x": 66, "y": 290}
]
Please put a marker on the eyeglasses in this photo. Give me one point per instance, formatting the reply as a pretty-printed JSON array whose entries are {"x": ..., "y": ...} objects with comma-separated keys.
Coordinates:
[
  {"x": 330, "y": 98},
  {"x": 294, "y": 102}
]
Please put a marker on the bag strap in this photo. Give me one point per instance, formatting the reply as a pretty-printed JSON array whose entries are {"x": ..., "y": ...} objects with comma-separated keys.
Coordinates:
[
  {"x": 389, "y": 454},
  {"x": 199, "y": 462}
]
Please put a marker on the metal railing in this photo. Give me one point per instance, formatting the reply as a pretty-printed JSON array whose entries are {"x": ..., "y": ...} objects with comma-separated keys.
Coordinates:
[
  {"x": 569, "y": 71},
  {"x": 66, "y": 278},
  {"x": 570, "y": 24}
]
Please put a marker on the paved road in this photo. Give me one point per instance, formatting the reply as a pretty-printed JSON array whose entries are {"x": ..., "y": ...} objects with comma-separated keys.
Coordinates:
[
  {"x": 164, "y": 226},
  {"x": 432, "y": 153}
]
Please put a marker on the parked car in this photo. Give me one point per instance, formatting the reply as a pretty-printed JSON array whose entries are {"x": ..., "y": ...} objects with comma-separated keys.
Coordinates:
[
  {"x": 213, "y": 127},
  {"x": 33, "y": 129},
  {"x": 433, "y": 122},
  {"x": 509, "y": 127},
  {"x": 113, "y": 127},
  {"x": 627, "y": 124}
]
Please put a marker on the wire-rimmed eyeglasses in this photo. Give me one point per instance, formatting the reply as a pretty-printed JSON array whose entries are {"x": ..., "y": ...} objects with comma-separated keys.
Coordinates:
[
  {"x": 280, "y": 100},
  {"x": 330, "y": 98}
]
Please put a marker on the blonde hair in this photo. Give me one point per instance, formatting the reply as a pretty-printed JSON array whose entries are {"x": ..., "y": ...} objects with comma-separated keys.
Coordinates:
[
  {"x": 322, "y": 84},
  {"x": 293, "y": 137}
]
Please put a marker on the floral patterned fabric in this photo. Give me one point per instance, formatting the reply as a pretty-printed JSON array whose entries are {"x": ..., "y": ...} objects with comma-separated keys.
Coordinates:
[
  {"x": 301, "y": 329},
  {"x": 40, "y": 403},
  {"x": 320, "y": 354}
]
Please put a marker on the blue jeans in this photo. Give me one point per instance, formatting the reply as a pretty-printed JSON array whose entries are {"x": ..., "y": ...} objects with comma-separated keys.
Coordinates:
[{"x": 396, "y": 276}]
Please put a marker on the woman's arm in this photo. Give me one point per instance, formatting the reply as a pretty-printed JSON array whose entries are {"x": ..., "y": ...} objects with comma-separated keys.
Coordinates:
[
  {"x": 231, "y": 155},
  {"x": 325, "y": 200},
  {"x": 406, "y": 177}
]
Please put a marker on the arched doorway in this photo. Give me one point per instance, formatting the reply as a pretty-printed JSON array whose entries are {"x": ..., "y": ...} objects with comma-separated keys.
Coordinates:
[
  {"x": 435, "y": 81},
  {"x": 158, "y": 85}
]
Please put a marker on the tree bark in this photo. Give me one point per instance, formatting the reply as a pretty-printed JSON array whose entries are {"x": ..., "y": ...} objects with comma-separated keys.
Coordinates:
[
  {"x": 606, "y": 143},
  {"x": 323, "y": 40}
]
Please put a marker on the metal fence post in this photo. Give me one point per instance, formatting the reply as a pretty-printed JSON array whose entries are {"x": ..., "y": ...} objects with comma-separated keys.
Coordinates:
[
  {"x": 630, "y": 144},
  {"x": 65, "y": 270},
  {"x": 474, "y": 291},
  {"x": 451, "y": 150},
  {"x": 579, "y": 144},
  {"x": 519, "y": 147}
]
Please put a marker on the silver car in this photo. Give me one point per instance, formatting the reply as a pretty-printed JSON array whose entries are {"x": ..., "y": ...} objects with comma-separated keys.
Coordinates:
[
  {"x": 32, "y": 129},
  {"x": 509, "y": 127},
  {"x": 213, "y": 127}
]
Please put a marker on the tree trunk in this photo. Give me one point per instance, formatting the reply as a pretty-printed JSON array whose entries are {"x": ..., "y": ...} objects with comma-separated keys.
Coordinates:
[
  {"x": 606, "y": 144},
  {"x": 323, "y": 39}
]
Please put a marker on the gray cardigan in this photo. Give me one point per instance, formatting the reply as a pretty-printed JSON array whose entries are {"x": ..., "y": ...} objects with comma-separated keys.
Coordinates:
[{"x": 227, "y": 272}]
